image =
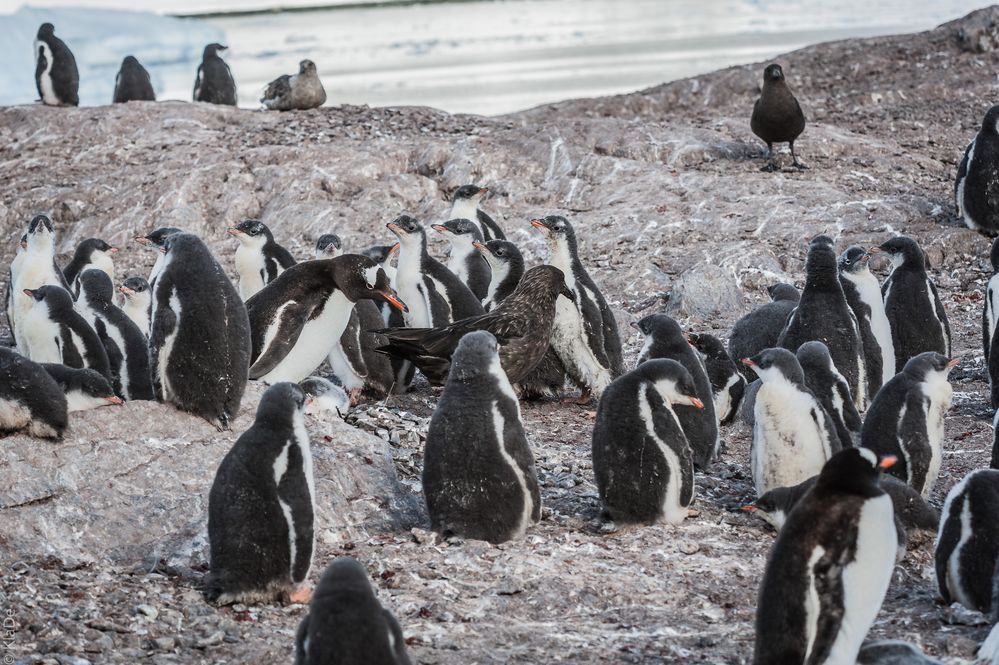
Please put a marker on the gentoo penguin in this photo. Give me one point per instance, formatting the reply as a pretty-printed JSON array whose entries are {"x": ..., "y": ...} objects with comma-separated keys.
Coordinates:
[
  {"x": 829, "y": 569},
  {"x": 585, "y": 336},
  {"x": 328, "y": 246},
  {"x": 777, "y": 116},
  {"x": 761, "y": 328},
  {"x": 976, "y": 189},
  {"x": 523, "y": 323},
  {"x": 261, "y": 507},
  {"x": 132, "y": 84},
  {"x": 156, "y": 241},
  {"x": 906, "y": 419},
  {"x": 91, "y": 253},
  {"x": 727, "y": 383},
  {"x": 893, "y": 652},
  {"x": 506, "y": 267},
  {"x": 465, "y": 205},
  {"x": 56, "y": 75},
  {"x": 665, "y": 339},
  {"x": 829, "y": 387},
  {"x": 463, "y": 259},
  {"x": 84, "y": 388},
  {"x": 823, "y": 314},
  {"x": 990, "y": 312},
  {"x": 346, "y": 624},
  {"x": 214, "y": 83},
  {"x": 199, "y": 335},
  {"x": 37, "y": 268},
  {"x": 29, "y": 398},
  {"x": 325, "y": 395},
  {"x": 128, "y": 352},
  {"x": 296, "y": 319},
  {"x": 259, "y": 259},
  {"x": 478, "y": 470},
  {"x": 641, "y": 458},
  {"x": 916, "y": 315},
  {"x": 792, "y": 434},
  {"x": 968, "y": 541},
  {"x": 863, "y": 294},
  {"x": 435, "y": 295},
  {"x": 403, "y": 371},
  {"x": 137, "y": 301},
  {"x": 12, "y": 270},
  {"x": 54, "y": 332},
  {"x": 301, "y": 91}
]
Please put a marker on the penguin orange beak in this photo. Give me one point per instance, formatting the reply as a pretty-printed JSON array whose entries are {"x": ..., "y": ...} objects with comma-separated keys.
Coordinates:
[
  {"x": 634, "y": 324},
  {"x": 395, "y": 228},
  {"x": 696, "y": 403},
  {"x": 142, "y": 240},
  {"x": 124, "y": 290},
  {"x": 479, "y": 246},
  {"x": 538, "y": 224},
  {"x": 394, "y": 249},
  {"x": 887, "y": 462},
  {"x": 748, "y": 508},
  {"x": 954, "y": 363},
  {"x": 114, "y": 399},
  {"x": 748, "y": 362},
  {"x": 440, "y": 228},
  {"x": 309, "y": 401},
  {"x": 113, "y": 250},
  {"x": 233, "y": 231},
  {"x": 483, "y": 190},
  {"x": 874, "y": 250},
  {"x": 29, "y": 293},
  {"x": 394, "y": 301}
]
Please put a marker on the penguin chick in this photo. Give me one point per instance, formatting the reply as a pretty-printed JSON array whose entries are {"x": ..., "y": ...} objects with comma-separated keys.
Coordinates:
[
  {"x": 506, "y": 267},
  {"x": 463, "y": 259},
  {"x": 465, "y": 205},
  {"x": 56, "y": 75},
  {"x": 893, "y": 652},
  {"x": 132, "y": 84},
  {"x": 863, "y": 294},
  {"x": 990, "y": 310},
  {"x": 91, "y": 253},
  {"x": 727, "y": 383},
  {"x": 761, "y": 328},
  {"x": 976, "y": 188},
  {"x": 137, "y": 301},
  {"x": 214, "y": 83},
  {"x": 777, "y": 116},
  {"x": 328, "y": 246},
  {"x": 259, "y": 259},
  {"x": 325, "y": 395},
  {"x": 300, "y": 91},
  {"x": 829, "y": 386},
  {"x": 30, "y": 399},
  {"x": 84, "y": 388}
]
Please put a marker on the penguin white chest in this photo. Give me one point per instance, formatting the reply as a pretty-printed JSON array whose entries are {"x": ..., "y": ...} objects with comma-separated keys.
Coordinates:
[
  {"x": 41, "y": 337},
  {"x": 252, "y": 268},
  {"x": 723, "y": 399},
  {"x": 13, "y": 414},
  {"x": 789, "y": 446},
  {"x": 939, "y": 393},
  {"x": 138, "y": 310},
  {"x": 573, "y": 347},
  {"x": 45, "y": 78},
  {"x": 315, "y": 341},
  {"x": 36, "y": 270},
  {"x": 992, "y": 304},
  {"x": 408, "y": 283}
]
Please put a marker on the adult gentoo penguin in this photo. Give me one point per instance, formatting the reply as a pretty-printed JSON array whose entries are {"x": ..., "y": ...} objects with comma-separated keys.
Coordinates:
[
  {"x": 259, "y": 259},
  {"x": 585, "y": 336},
  {"x": 917, "y": 317},
  {"x": 91, "y": 253},
  {"x": 346, "y": 624},
  {"x": 829, "y": 387},
  {"x": 990, "y": 311},
  {"x": 463, "y": 259},
  {"x": 823, "y": 314},
  {"x": 328, "y": 246},
  {"x": 214, "y": 83},
  {"x": 261, "y": 507},
  {"x": 968, "y": 541},
  {"x": 665, "y": 339},
  {"x": 506, "y": 267},
  {"x": 137, "y": 301},
  {"x": 522, "y": 323},
  {"x": 761, "y": 328},
  {"x": 37, "y": 268},
  {"x": 56, "y": 75},
  {"x": 30, "y": 399},
  {"x": 199, "y": 336},
  {"x": 863, "y": 294},
  {"x": 465, "y": 205},
  {"x": 906, "y": 419},
  {"x": 976, "y": 189},
  {"x": 54, "y": 332},
  {"x": 478, "y": 471},
  {"x": 302, "y": 91},
  {"x": 296, "y": 319},
  {"x": 828, "y": 572},
  {"x": 641, "y": 458},
  {"x": 128, "y": 352},
  {"x": 727, "y": 383},
  {"x": 84, "y": 388},
  {"x": 132, "y": 84},
  {"x": 434, "y": 294},
  {"x": 777, "y": 116},
  {"x": 792, "y": 434}
]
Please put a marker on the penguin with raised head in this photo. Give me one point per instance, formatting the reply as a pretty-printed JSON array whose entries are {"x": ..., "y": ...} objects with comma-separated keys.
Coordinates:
[
  {"x": 727, "y": 383},
  {"x": 214, "y": 83},
  {"x": 328, "y": 246},
  {"x": 299, "y": 91},
  {"x": 761, "y": 328},
  {"x": 990, "y": 311},
  {"x": 54, "y": 332},
  {"x": 830, "y": 567},
  {"x": 12, "y": 271},
  {"x": 967, "y": 546},
  {"x": 199, "y": 335},
  {"x": 642, "y": 460},
  {"x": 777, "y": 116},
  {"x": 793, "y": 435},
  {"x": 37, "y": 268},
  {"x": 916, "y": 315},
  {"x": 829, "y": 386},
  {"x": 665, "y": 339},
  {"x": 863, "y": 294},
  {"x": 465, "y": 205},
  {"x": 261, "y": 507},
  {"x": 156, "y": 241},
  {"x": 976, "y": 188},
  {"x": 478, "y": 470},
  {"x": 325, "y": 395},
  {"x": 823, "y": 314},
  {"x": 91, "y": 253},
  {"x": 297, "y": 319},
  {"x": 84, "y": 388},
  {"x": 463, "y": 259},
  {"x": 506, "y": 267},
  {"x": 585, "y": 337},
  {"x": 31, "y": 399},
  {"x": 137, "y": 299},
  {"x": 56, "y": 75},
  {"x": 126, "y": 346},
  {"x": 346, "y": 624},
  {"x": 259, "y": 259},
  {"x": 906, "y": 419},
  {"x": 132, "y": 84}
]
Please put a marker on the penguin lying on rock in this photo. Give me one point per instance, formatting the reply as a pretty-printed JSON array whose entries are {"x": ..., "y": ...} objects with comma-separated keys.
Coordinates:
[
  {"x": 84, "y": 388},
  {"x": 31, "y": 398}
]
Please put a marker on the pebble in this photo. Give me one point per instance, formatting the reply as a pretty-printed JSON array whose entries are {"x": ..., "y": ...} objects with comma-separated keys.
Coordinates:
[
  {"x": 165, "y": 643},
  {"x": 147, "y": 610},
  {"x": 211, "y": 640}
]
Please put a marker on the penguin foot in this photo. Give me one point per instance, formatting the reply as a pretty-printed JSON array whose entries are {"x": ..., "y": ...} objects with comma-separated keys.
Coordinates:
[
  {"x": 301, "y": 595},
  {"x": 355, "y": 396},
  {"x": 798, "y": 165},
  {"x": 583, "y": 399},
  {"x": 770, "y": 167}
]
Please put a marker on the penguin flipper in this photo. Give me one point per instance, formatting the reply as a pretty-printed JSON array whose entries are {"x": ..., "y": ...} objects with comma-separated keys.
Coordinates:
[
  {"x": 350, "y": 343},
  {"x": 942, "y": 316},
  {"x": 398, "y": 641},
  {"x": 164, "y": 324},
  {"x": 827, "y": 579},
  {"x": 593, "y": 326},
  {"x": 301, "y": 637},
  {"x": 293, "y": 490},
  {"x": 916, "y": 460},
  {"x": 289, "y": 329}
]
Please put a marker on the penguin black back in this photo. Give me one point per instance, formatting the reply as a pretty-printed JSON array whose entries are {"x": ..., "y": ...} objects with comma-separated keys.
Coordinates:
[
  {"x": 727, "y": 382},
  {"x": 214, "y": 83},
  {"x": 976, "y": 188},
  {"x": 133, "y": 83},
  {"x": 56, "y": 75},
  {"x": 32, "y": 399},
  {"x": 761, "y": 328},
  {"x": 830, "y": 388}
]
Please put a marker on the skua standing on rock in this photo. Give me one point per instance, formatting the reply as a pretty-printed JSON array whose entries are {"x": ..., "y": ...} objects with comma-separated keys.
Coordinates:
[
  {"x": 777, "y": 116},
  {"x": 301, "y": 91}
]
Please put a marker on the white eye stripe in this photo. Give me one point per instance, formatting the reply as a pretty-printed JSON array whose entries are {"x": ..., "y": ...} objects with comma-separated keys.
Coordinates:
[{"x": 371, "y": 276}]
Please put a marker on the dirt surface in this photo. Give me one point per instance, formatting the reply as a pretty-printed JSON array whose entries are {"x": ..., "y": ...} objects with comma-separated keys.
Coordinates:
[{"x": 672, "y": 212}]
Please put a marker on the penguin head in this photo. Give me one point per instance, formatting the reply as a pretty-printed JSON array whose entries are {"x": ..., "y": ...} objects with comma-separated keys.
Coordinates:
[
  {"x": 544, "y": 283},
  {"x": 709, "y": 345},
  {"x": 381, "y": 254},
  {"x": 409, "y": 231},
  {"x": 774, "y": 506},
  {"x": 40, "y": 231},
  {"x": 91, "y": 248},
  {"x": 306, "y": 67},
  {"x": 84, "y": 388},
  {"x": 156, "y": 240},
  {"x": 854, "y": 471},
  {"x": 96, "y": 286},
  {"x": 783, "y": 292},
  {"x": 663, "y": 329},
  {"x": 459, "y": 230},
  {"x": 251, "y": 232},
  {"x": 929, "y": 365},
  {"x": 130, "y": 62},
  {"x": 361, "y": 278},
  {"x": 902, "y": 250},
  {"x": 672, "y": 381},
  {"x": 776, "y": 365},
  {"x": 477, "y": 355},
  {"x": 56, "y": 297},
  {"x": 212, "y": 51},
  {"x": 322, "y": 393},
  {"x": 344, "y": 587},
  {"x": 814, "y": 358},
  {"x": 328, "y": 246},
  {"x": 556, "y": 229},
  {"x": 469, "y": 193},
  {"x": 990, "y": 124},
  {"x": 46, "y": 30},
  {"x": 499, "y": 253},
  {"x": 280, "y": 403},
  {"x": 181, "y": 242},
  {"x": 854, "y": 260},
  {"x": 773, "y": 73},
  {"x": 133, "y": 286}
]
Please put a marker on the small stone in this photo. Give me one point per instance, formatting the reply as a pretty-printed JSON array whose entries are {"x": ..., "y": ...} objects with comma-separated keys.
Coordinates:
[
  {"x": 147, "y": 610},
  {"x": 688, "y": 547},
  {"x": 165, "y": 643},
  {"x": 65, "y": 659},
  {"x": 212, "y": 640}
]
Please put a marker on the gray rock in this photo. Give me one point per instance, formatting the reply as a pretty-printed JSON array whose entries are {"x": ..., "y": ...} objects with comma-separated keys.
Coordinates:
[{"x": 704, "y": 292}]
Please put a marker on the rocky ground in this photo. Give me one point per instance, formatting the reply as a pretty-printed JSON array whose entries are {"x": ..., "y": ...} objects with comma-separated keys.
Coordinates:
[{"x": 102, "y": 534}]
